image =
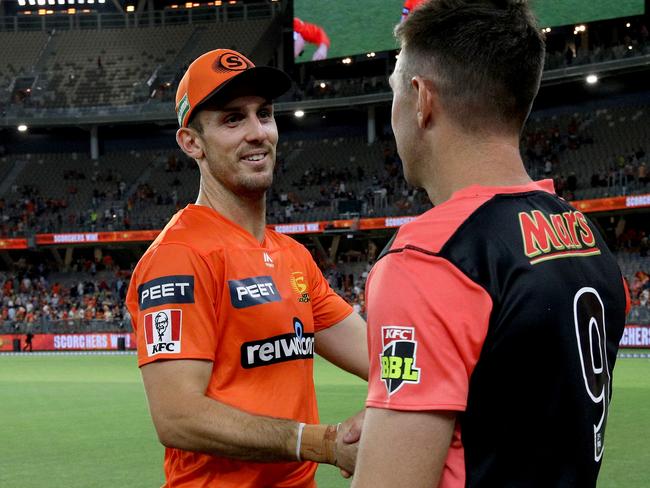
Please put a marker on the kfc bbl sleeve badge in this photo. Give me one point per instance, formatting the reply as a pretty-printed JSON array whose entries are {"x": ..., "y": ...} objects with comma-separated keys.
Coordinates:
[{"x": 398, "y": 357}]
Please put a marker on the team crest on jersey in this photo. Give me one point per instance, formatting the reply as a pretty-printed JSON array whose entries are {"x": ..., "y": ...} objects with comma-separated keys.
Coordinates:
[
  {"x": 398, "y": 357},
  {"x": 299, "y": 286},
  {"x": 162, "y": 331}
]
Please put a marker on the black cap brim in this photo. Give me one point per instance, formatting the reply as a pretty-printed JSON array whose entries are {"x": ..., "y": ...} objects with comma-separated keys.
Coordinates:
[{"x": 262, "y": 81}]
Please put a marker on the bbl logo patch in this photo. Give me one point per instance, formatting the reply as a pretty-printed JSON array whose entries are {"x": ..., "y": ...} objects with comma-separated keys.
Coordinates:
[
  {"x": 299, "y": 286},
  {"x": 398, "y": 357},
  {"x": 162, "y": 330}
]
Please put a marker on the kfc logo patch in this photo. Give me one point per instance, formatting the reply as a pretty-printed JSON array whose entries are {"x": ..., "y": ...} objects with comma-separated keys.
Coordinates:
[
  {"x": 162, "y": 331},
  {"x": 398, "y": 357}
]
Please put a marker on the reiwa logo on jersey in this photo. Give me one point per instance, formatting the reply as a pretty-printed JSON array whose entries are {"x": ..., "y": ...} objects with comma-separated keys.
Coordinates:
[
  {"x": 162, "y": 330},
  {"x": 278, "y": 349},
  {"x": 398, "y": 357}
]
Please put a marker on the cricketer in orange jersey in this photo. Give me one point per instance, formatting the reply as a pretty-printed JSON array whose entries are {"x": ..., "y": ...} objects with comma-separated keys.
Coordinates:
[{"x": 229, "y": 313}]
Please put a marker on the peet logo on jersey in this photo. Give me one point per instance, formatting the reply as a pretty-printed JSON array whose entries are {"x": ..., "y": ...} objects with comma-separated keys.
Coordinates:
[
  {"x": 162, "y": 330},
  {"x": 299, "y": 286},
  {"x": 278, "y": 349},
  {"x": 555, "y": 236},
  {"x": 166, "y": 289},
  {"x": 253, "y": 291},
  {"x": 398, "y": 357}
]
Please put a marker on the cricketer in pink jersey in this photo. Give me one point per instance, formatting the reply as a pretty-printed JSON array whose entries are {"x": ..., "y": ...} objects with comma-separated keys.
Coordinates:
[{"x": 494, "y": 318}]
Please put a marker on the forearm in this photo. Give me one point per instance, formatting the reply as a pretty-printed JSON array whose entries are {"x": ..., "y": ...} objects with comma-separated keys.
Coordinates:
[{"x": 206, "y": 425}]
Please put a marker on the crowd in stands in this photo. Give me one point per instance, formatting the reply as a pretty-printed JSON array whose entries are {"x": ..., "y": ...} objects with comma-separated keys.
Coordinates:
[
  {"x": 378, "y": 191},
  {"x": 639, "y": 287},
  {"x": 91, "y": 295},
  {"x": 543, "y": 149}
]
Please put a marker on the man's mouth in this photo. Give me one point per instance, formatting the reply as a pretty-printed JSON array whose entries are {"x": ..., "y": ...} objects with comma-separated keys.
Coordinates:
[{"x": 254, "y": 157}]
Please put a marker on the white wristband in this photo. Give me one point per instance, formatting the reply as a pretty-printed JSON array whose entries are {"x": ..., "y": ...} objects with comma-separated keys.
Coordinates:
[{"x": 301, "y": 427}]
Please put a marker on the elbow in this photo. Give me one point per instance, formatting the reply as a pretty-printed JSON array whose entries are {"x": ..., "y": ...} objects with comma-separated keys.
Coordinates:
[
  {"x": 167, "y": 435},
  {"x": 170, "y": 431}
]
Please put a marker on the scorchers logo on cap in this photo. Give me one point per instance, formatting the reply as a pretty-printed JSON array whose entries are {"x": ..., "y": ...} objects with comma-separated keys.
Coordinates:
[
  {"x": 231, "y": 61},
  {"x": 398, "y": 357},
  {"x": 162, "y": 331}
]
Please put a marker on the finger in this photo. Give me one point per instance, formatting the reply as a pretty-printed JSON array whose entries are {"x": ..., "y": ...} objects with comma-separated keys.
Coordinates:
[
  {"x": 345, "y": 474},
  {"x": 352, "y": 436}
]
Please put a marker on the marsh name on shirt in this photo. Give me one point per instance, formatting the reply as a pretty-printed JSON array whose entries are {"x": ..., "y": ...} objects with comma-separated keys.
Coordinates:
[
  {"x": 249, "y": 292},
  {"x": 278, "y": 349},
  {"x": 166, "y": 290}
]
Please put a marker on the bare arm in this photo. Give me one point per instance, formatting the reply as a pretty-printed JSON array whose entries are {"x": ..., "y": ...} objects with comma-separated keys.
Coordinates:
[
  {"x": 187, "y": 419},
  {"x": 345, "y": 345},
  {"x": 401, "y": 448}
]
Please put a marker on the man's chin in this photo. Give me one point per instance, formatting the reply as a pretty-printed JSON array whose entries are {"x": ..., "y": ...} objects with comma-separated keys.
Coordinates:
[{"x": 255, "y": 187}]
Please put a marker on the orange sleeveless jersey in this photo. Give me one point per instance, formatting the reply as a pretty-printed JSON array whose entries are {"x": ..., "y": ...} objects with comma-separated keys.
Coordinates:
[{"x": 206, "y": 289}]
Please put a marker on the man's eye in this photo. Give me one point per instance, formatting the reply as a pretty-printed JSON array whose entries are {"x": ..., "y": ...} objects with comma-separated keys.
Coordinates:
[
  {"x": 265, "y": 114},
  {"x": 231, "y": 119}
]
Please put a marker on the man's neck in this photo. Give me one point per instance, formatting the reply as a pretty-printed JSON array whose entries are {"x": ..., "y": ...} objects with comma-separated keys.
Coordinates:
[
  {"x": 247, "y": 212},
  {"x": 464, "y": 161}
]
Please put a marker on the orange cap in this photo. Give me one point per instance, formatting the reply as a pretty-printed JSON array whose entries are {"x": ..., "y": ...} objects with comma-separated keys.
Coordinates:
[{"x": 228, "y": 74}]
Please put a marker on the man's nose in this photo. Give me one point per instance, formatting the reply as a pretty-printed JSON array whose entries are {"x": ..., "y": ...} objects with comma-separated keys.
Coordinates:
[{"x": 256, "y": 130}]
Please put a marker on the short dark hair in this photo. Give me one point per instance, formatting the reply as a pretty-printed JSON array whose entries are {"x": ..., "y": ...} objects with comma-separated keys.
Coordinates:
[{"x": 484, "y": 56}]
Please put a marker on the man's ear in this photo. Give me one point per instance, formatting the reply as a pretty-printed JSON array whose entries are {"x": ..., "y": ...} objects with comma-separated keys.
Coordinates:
[
  {"x": 427, "y": 102},
  {"x": 190, "y": 142}
]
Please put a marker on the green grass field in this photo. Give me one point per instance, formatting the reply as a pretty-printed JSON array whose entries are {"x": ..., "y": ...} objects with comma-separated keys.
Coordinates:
[
  {"x": 362, "y": 26},
  {"x": 82, "y": 422}
]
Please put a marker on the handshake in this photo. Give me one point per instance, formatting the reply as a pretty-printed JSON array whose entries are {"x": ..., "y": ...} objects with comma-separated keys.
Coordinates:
[{"x": 331, "y": 444}]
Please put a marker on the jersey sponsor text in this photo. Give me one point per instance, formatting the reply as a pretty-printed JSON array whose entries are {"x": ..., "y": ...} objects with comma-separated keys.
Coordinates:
[
  {"x": 278, "y": 349},
  {"x": 555, "y": 236},
  {"x": 166, "y": 290},
  {"x": 249, "y": 292}
]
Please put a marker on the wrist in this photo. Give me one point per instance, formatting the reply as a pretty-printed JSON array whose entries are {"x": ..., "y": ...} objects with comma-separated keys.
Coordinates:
[{"x": 317, "y": 443}]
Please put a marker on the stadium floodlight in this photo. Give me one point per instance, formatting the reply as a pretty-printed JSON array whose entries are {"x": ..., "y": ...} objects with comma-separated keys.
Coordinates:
[
  {"x": 630, "y": 47},
  {"x": 130, "y": 8},
  {"x": 21, "y": 3},
  {"x": 322, "y": 84},
  {"x": 628, "y": 25},
  {"x": 70, "y": 2},
  {"x": 91, "y": 1},
  {"x": 41, "y": 2},
  {"x": 51, "y": 2},
  {"x": 371, "y": 55},
  {"x": 22, "y": 128},
  {"x": 299, "y": 114},
  {"x": 592, "y": 79},
  {"x": 346, "y": 60},
  {"x": 61, "y": 2},
  {"x": 81, "y": 1},
  {"x": 102, "y": 1},
  {"x": 32, "y": 2}
]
